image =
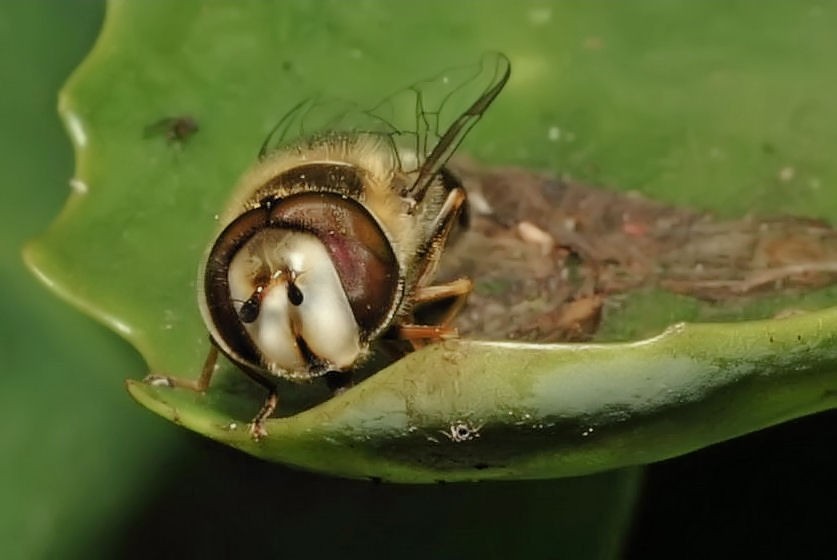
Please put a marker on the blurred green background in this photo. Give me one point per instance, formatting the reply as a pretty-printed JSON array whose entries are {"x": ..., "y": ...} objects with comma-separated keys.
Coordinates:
[{"x": 87, "y": 473}]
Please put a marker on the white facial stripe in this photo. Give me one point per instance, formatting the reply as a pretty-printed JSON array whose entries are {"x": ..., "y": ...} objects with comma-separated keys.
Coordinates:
[
  {"x": 272, "y": 330},
  {"x": 324, "y": 319}
]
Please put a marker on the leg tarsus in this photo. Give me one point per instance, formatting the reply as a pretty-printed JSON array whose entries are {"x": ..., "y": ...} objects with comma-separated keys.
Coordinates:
[
  {"x": 256, "y": 427},
  {"x": 199, "y": 385},
  {"x": 458, "y": 289},
  {"x": 420, "y": 335},
  {"x": 455, "y": 288},
  {"x": 445, "y": 221}
]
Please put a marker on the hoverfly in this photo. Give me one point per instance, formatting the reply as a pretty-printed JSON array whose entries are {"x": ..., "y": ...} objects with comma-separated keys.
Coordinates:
[{"x": 333, "y": 238}]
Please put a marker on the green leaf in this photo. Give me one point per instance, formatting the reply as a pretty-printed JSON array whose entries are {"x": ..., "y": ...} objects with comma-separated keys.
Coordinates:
[
  {"x": 66, "y": 426},
  {"x": 679, "y": 112},
  {"x": 131, "y": 237},
  {"x": 705, "y": 116},
  {"x": 538, "y": 411}
]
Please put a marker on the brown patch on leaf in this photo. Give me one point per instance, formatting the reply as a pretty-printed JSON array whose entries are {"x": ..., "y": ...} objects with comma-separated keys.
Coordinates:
[{"x": 545, "y": 253}]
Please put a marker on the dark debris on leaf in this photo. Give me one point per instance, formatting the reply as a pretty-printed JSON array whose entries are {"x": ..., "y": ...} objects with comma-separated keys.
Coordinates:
[{"x": 547, "y": 253}]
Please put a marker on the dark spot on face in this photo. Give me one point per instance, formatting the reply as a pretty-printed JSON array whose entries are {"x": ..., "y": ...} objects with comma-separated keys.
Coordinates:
[
  {"x": 294, "y": 294},
  {"x": 249, "y": 311},
  {"x": 462, "y": 431}
]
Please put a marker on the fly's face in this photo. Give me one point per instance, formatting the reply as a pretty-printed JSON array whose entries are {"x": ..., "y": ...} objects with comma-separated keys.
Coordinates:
[
  {"x": 332, "y": 239},
  {"x": 299, "y": 285}
]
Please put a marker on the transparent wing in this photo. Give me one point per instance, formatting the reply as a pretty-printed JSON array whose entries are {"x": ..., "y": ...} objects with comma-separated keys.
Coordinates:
[
  {"x": 446, "y": 108},
  {"x": 317, "y": 116},
  {"x": 425, "y": 122}
]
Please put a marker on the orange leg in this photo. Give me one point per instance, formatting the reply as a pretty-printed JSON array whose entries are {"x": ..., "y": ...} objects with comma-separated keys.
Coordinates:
[
  {"x": 458, "y": 289},
  {"x": 200, "y": 385},
  {"x": 256, "y": 427},
  {"x": 442, "y": 228},
  {"x": 417, "y": 335}
]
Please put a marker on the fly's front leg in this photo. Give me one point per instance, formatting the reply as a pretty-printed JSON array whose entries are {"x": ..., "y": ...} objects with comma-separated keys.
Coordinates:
[
  {"x": 458, "y": 290},
  {"x": 418, "y": 335},
  {"x": 442, "y": 228},
  {"x": 256, "y": 427},
  {"x": 199, "y": 385}
]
